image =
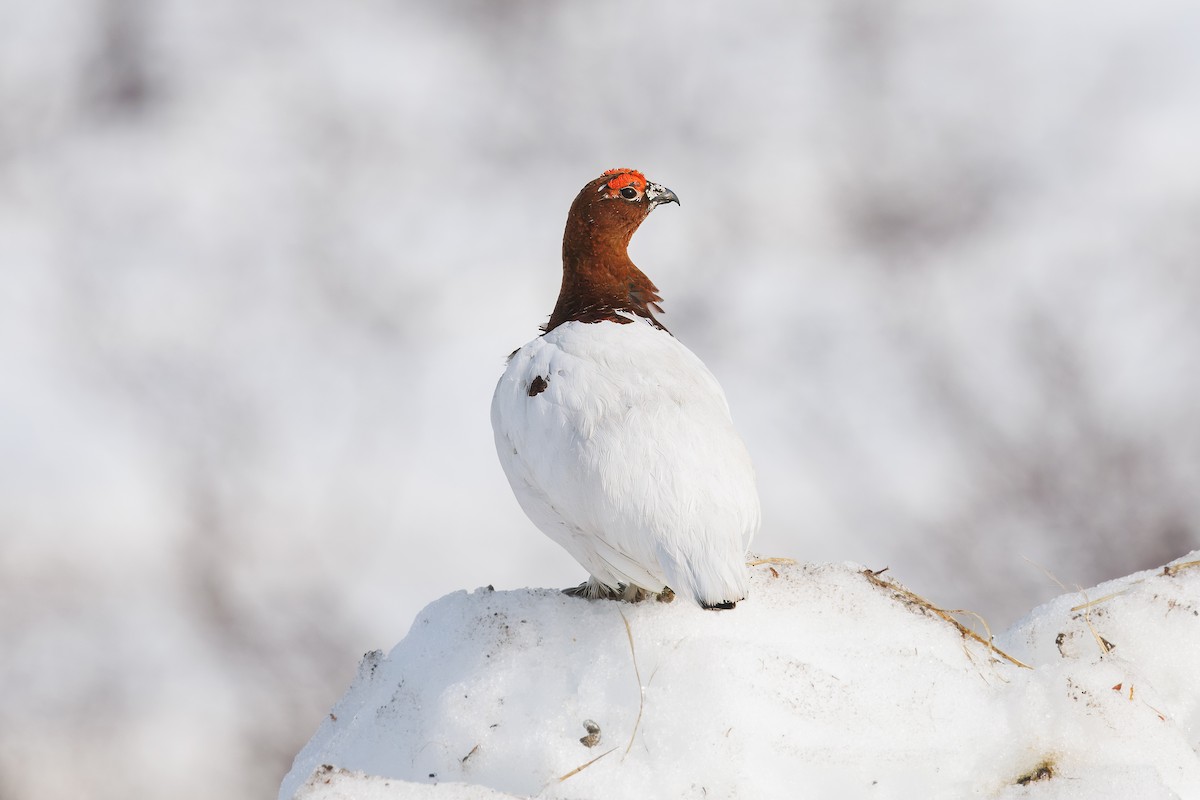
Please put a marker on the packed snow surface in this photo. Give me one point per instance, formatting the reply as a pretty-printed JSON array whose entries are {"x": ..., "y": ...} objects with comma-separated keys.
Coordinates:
[{"x": 829, "y": 681}]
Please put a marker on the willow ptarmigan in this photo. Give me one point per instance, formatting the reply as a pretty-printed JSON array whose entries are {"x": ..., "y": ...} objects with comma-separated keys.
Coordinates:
[{"x": 616, "y": 438}]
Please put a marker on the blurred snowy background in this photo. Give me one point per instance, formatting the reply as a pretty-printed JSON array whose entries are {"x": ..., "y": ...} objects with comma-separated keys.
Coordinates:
[{"x": 262, "y": 263}]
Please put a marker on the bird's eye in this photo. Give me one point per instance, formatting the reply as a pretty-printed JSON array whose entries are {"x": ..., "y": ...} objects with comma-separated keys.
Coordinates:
[{"x": 629, "y": 193}]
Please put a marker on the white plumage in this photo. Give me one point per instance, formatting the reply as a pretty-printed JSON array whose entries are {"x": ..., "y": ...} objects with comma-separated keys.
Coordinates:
[{"x": 628, "y": 458}]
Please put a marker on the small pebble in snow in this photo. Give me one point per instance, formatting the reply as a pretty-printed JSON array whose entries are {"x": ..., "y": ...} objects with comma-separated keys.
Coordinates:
[{"x": 593, "y": 734}]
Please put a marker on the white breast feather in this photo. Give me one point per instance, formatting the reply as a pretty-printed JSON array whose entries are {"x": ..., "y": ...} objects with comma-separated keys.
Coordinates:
[{"x": 629, "y": 459}]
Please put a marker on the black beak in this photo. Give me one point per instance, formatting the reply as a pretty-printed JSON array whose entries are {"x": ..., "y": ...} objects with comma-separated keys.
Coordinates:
[{"x": 657, "y": 195}]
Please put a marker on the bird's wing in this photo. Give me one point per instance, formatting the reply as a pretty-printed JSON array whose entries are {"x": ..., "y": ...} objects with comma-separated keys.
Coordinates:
[{"x": 618, "y": 443}]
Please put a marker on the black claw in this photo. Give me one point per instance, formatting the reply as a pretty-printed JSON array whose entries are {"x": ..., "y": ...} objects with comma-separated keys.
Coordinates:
[{"x": 728, "y": 604}]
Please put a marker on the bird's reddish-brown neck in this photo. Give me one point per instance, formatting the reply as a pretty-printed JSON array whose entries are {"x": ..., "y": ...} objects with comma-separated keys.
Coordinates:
[{"x": 600, "y": 283}]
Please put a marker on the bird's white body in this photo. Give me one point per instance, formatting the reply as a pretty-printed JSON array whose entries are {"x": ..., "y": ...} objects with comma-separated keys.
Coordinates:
[{"x": 628, "y": 458}]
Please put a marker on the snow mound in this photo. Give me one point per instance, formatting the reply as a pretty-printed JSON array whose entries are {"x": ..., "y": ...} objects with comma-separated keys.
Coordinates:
[
  {"x": 332, "y": 783},
  {"x": 826, "y": 682}
]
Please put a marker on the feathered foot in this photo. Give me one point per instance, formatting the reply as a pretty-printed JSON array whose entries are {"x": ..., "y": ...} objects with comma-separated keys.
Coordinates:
[{"x": 592, "y": 589}]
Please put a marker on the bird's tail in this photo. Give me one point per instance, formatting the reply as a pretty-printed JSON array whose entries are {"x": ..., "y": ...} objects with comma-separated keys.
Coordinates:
[{"x": 716, "y": 580}]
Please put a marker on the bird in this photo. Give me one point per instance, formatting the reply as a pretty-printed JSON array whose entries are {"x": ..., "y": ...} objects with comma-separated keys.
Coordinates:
[{"x": 615, "y": 438}]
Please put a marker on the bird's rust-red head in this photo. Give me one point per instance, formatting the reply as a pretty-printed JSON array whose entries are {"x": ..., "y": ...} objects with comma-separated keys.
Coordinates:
[
  {"x": 621, "y": 177},
  {"x": 600, "y": 283}
]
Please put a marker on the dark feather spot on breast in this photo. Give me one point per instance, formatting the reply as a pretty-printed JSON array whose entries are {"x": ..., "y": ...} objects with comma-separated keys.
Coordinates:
[{"x": 538, "y": 386}]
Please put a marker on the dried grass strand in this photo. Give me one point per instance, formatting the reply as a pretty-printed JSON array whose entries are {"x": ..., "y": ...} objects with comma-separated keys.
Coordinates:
[
  {"x": 1174, "y": 569},
  {"x": 1099, "y": 600},
  {"x": 913, "y": 597},
  {"x": 641, "y": 689},
  {"x": 1101, "y": 642},
  {"x": 776, "y": 560},
  {"x": 582, "y": 767}
]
